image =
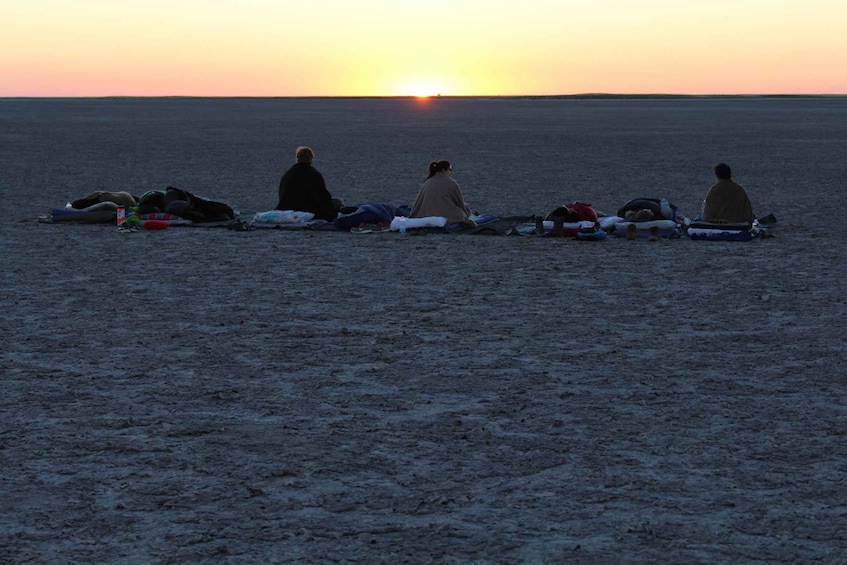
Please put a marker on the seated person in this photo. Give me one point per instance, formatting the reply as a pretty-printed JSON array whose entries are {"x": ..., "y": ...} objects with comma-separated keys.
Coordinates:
[
  {"x": 726, "y": 202},
  {"x": 302, "y": 188},
  {"x": 440, "y": 195}
]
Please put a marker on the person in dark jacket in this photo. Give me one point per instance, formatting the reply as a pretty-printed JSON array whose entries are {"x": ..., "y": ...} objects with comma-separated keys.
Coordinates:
[
  {"x": 726, "y": 201},
  {"x": 302, "y": 188}
]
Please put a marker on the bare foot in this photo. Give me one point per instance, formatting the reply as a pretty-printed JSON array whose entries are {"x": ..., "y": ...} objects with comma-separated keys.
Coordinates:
[
  {"x": 654, "y": 234},
  {"x": 558, "y": 226},
  {"x": 539, "y": 225}
]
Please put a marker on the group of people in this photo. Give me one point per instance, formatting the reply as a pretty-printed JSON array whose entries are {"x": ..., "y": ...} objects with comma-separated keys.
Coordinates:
[{"x": 302, "y": 188}]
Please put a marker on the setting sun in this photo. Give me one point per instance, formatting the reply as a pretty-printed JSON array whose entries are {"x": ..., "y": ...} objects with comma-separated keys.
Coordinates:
[{"x": 421, "y": 88}]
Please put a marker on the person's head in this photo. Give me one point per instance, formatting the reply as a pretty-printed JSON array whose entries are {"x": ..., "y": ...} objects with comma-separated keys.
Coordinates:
[
  {"x": 437, "y": 167},
  {"x": 305, "y": 155},
  {"x": 722, "y": 171}
]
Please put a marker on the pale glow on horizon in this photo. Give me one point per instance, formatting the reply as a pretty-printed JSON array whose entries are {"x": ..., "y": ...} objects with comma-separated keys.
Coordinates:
[{"x": 452, "y": 48}]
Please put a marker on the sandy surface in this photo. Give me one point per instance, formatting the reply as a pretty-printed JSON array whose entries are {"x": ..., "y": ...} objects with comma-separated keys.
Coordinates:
[
  {"x": 276, "y": 396},
  {"x": 210, "y": 396}
]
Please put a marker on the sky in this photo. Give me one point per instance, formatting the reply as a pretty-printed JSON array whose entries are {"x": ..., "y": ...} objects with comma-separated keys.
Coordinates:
[{"x": 403, "y": 48}]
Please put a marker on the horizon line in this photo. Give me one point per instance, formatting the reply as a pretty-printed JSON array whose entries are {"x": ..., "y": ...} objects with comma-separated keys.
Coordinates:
[{"x": 587, "y": 95}]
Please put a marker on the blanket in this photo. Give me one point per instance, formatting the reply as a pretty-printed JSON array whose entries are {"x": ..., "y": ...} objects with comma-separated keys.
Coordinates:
[
  {"x": 288, "y": 219},
  {"x": 369, "y": 213}
]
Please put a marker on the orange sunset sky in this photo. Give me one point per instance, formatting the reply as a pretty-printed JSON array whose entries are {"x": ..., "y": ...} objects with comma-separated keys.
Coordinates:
[{"x": 387, "y": 48}]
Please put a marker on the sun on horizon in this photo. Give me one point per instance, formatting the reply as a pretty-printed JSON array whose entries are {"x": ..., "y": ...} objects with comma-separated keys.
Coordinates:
[{"x": 421, "y": 88}]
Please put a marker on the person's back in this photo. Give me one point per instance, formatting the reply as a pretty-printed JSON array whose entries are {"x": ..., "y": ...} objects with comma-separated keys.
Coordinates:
[
  {"x": 302, "y": 188},
  {"x": 440, "y": 195},
  {"x": 726, "y": 201}
]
